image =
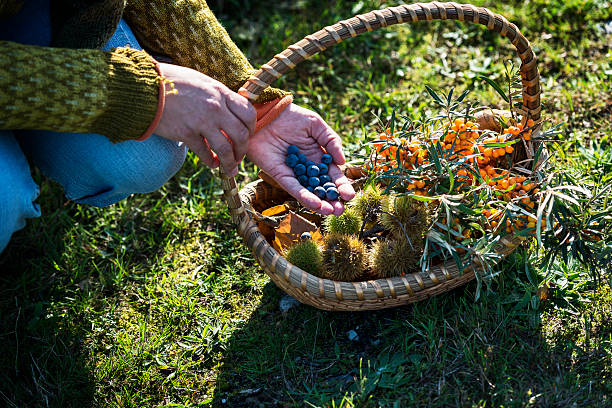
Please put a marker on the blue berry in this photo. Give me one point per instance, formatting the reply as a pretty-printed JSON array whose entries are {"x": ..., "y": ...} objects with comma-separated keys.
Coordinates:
[
  {"x": 305, "y": 236},
  {"x": 309, "y": 163},
  {"x": 299, "y": 169},
  {"x": 320, "y": 192},
  {"x": 293, "y": 149},
  {"x": 302, "y": 158},
  {"x": 312, "y": 171},
  {"x": 332, "y": 194},
  {"x": 323, "y": 168},
  {"x": 326, "y": 158},
  {"x": 313, "y": 181},
  {"x": 329, "y": 185},
  {"x": 303, "y": 180},
  {"x": 310, "y": 188},
  {"x": 291, "y": 160},
  {"x": 324, "y": 178}
]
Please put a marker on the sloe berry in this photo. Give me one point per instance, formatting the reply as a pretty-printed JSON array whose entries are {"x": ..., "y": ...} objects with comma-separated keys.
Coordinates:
[
  {"x": 326, "y": 158},
  {"x": 331, "y": 194},
  {"x": 312, "y": 171},
  {"x": 293, "y": 149},
  {"x": 313, "y": 181},
  {"x": 329, "y": 185},
  {"x": 320, "y": 192},
  {"x": 291, "y": 160},
  {"x": 299, "y": 169}
]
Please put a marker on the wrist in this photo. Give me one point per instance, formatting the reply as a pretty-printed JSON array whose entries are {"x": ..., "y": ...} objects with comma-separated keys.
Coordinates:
[
  {"x": 161, "y": 102},
  {"x": 268, "y": 111}
]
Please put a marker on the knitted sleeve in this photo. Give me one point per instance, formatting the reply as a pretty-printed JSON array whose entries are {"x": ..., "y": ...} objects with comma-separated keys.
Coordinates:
[
  {"x": 90, "y": 91},
  {"x": 189, "y": 33}
]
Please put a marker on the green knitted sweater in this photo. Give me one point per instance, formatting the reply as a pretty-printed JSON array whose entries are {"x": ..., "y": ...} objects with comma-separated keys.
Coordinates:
[{"x": 112, "y": 93}]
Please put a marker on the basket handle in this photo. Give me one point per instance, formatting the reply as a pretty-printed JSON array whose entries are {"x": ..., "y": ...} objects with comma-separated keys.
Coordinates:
[{"x": 330, "y": 35}]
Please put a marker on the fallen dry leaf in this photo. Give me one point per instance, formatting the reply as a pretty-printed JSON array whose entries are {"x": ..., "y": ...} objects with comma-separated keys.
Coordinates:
[{"x": 291, "y": 227}]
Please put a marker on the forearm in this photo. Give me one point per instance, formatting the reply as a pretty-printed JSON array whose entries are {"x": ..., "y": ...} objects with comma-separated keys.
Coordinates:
[{"x": 88, "y": 91}]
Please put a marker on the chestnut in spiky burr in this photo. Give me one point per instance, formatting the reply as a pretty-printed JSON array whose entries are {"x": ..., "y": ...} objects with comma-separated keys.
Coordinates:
[
  {"x": 394, "y": 257},
  {"x": 306, "y": 255},
  {"x": 344, "y": 258},
  {"x": 407, "y": 217},
  {"x": 368, "y": 204},
  {"x": 347, "y": 223}
]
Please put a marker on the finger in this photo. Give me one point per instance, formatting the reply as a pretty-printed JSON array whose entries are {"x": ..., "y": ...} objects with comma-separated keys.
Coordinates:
[
  {"x": 243, "y": 110},
  {"x": 224, "y": 150},
  {"x": 338, "y": 207},
  {"x": 290, "y": 184},
  {"x": 345, "y": 188},
  {"x": 328, "y": 139},
  {"x": 237, "y": 134},
  {"x": 206, "y": 156}
]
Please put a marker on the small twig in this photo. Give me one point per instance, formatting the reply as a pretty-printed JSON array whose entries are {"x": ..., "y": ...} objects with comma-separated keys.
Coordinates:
[
  {"x": 372, "y": 231},
  {"x": 402, "y": 227}
]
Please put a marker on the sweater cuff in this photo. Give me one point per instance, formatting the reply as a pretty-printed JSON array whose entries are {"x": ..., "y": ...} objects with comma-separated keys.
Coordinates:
[
  {"x": 133, "y": 95},
  {"x": 161, "y": 102},
  {"x": 268, "y": 111}
]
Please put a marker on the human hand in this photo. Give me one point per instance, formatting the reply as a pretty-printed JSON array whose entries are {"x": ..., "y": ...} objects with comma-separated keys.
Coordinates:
[
  {"x": 214, "y": 122},
  {"x": 306, "y": 130}
]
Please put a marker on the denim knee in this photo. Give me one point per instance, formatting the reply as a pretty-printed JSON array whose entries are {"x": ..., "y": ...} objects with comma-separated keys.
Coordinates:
[
  {"x": 130, "y": 167},
  {"x": 160, "y": 160},
  {"x": 95, "y": 171},
  {"x": 17, "y": 189}
]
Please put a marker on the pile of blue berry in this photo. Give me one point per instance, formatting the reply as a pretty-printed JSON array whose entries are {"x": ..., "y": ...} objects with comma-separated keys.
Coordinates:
[{"x": 312, "y": 176}]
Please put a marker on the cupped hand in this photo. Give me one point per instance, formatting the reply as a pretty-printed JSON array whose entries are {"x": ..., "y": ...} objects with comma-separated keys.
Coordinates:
[
  {"x": 305, "y": 129},
  {"x": 214, "y": 122}
]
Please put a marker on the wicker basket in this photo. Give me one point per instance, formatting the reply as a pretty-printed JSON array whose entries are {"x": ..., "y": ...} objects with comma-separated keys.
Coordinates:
[{"x": 382, "y": 293}]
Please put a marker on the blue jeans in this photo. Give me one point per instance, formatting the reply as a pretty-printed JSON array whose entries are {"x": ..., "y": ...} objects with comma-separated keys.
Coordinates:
[{"x": 91, "y": 169}]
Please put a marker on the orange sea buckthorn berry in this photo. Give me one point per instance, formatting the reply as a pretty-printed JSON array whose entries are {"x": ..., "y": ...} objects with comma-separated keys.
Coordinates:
[
  {"x": 530, "y": 123},
  {"x": 509, "y": 149},
  {"x": 419, "y": 183}
]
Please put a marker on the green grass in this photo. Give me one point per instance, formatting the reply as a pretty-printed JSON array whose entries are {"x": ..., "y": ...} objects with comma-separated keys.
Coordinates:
[{"x": 155, "y": 301}]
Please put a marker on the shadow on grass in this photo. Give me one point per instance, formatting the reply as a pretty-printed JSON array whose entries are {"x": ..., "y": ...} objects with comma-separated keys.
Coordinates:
[
  {"x": 445, "y": 351},
  {"x": 42, "y": 362}
]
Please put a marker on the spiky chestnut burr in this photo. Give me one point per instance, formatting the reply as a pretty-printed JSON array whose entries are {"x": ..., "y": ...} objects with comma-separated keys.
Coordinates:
[
  {"x": 347, "y": 223},
  {"x": 306, "y": 255},
  {"x": 368, "y": 204},
  {"x": 394, "y": 257},
  {"x": 407, "y": 217},
  {"x": 344, "y": 258}
]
